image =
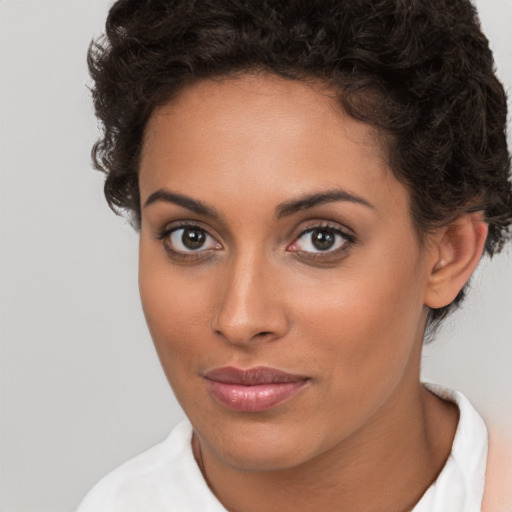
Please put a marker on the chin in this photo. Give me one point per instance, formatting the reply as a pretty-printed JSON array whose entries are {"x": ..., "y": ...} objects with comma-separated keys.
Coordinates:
[
  {"x": 259, "y": 447},
  {"x": 262, "y": 459}
]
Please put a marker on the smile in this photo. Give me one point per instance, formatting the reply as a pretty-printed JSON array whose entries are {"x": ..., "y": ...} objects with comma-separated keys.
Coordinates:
[{"x": 253, "y": 390}]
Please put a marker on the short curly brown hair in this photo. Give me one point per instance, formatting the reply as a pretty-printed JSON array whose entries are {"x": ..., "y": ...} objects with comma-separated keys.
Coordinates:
[{"x": 421, "y": 72}]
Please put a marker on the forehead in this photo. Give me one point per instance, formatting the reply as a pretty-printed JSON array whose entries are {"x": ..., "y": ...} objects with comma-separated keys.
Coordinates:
[{"x": 257, "y": 133}]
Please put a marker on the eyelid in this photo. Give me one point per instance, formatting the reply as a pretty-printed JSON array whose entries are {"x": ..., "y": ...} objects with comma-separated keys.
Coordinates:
[
  {"x": 314, "y": 224},
  {"x": 340, "y": 230},
  {"x": 184, "y": 223},
  {"x": 191, "y": 254}
]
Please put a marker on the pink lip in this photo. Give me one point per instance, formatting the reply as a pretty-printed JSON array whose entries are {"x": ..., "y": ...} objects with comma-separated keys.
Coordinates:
[{"x": 253, "y": 390}]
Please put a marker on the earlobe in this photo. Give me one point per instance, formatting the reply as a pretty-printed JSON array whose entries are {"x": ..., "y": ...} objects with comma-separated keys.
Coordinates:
[{"x": 455, "y": 255}]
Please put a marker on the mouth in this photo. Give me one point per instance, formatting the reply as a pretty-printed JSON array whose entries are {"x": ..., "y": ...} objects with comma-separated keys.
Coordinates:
[{"x": 255, "y": 389}]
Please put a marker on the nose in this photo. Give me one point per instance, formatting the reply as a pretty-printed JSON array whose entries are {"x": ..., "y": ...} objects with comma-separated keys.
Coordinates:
[{"x": 251, "y": 306}]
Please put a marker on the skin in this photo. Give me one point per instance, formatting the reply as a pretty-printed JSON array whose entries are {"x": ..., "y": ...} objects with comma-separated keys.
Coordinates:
[{"x": 363, "y": 434}]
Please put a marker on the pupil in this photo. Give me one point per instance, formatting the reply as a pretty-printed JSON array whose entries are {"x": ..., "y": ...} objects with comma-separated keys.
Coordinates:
[
  {"x": 323, "y": 239},
  {"x": 193, "y": 238}
]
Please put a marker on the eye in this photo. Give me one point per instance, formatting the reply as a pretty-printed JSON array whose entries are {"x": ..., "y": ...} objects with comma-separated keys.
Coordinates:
[
  {"x": 188, "y": 240},
  {"x": 322, "y": 239}
]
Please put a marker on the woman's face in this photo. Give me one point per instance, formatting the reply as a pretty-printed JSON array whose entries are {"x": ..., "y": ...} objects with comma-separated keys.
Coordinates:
[{"x": 275, "y": 239}]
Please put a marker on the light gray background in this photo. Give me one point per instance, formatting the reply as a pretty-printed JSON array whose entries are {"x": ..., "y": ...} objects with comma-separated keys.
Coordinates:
[{"x": 81, "y": 387}]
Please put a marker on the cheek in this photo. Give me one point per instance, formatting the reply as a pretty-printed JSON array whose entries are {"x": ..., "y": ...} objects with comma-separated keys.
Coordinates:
[
  {"x": 176, "y": 315},
  {"x": 176, "y": 309},
  {"x": 366, "y": 327}
]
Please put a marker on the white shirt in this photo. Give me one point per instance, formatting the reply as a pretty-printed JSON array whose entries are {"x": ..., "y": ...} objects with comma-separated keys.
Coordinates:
[{"x": 166, "y": 477}]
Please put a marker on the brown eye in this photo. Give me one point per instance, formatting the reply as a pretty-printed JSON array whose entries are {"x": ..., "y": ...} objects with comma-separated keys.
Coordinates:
[
  {"x": 189, "y": 239},
  {"x": 193, "y": 238},
  {"x": 321, "y": 239}
]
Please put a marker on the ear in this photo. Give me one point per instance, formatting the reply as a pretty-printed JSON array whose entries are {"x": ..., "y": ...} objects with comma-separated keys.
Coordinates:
[{"x": 456, "y": 250}]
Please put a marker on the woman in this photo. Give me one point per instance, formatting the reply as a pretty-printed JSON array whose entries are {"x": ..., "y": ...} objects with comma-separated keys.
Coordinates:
[{"x": 314, "y": 184}]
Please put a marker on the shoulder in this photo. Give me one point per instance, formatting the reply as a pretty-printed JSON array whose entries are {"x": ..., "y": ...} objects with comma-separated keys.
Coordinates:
[
  {"x": 480, "y": 462},
  {"x": 148, "y": 481},
  {"x": 498, "y": 481}
]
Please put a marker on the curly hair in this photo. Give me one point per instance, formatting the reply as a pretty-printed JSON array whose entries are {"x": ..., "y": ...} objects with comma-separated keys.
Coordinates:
[{"x": 420, "y": 72}]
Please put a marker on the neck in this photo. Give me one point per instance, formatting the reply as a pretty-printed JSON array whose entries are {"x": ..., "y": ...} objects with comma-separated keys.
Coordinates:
[{"x": 375, "y": 470}]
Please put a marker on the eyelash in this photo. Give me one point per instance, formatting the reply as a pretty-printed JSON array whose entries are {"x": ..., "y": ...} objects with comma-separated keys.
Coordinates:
[
  {"x": 348, "y": 242},
  {"x": 167, "y": 231}
]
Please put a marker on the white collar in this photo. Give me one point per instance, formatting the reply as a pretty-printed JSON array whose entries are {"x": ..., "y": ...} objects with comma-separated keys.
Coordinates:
[{"x": 460, "y": 485}]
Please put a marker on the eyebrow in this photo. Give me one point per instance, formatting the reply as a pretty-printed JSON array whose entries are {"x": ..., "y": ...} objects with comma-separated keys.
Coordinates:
[
  {"x": 311, "y": 200},
  {"x": 181, "y": 200},
  {"x": 283, "y": 210}
]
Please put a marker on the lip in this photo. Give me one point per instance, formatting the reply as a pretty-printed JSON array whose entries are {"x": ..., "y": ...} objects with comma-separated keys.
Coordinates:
[{"x": 254, "y": 389}]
